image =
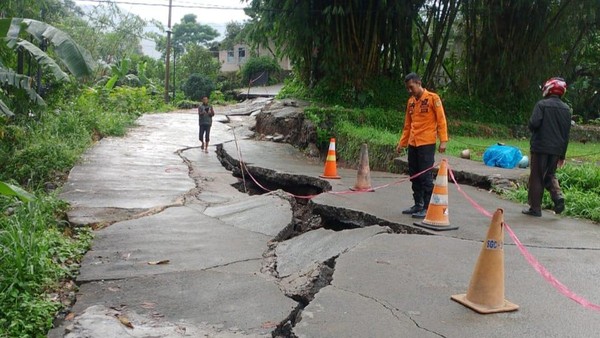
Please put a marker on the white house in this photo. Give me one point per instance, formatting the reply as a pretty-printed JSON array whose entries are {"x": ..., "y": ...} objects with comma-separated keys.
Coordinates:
[{"x": 232, "y": 60}]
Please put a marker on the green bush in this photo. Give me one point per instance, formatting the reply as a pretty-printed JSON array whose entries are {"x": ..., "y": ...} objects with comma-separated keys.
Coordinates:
[
  {"x": 255, "y": 66},
  {"x": 197, "y": 86},
  {"x": 187, "y": 104},
  {"x": 217, "y": 97},
  {"x": 228, "y": 82}
]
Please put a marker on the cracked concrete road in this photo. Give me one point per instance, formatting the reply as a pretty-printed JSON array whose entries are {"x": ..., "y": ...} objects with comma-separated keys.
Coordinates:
[{"x": 266, "y": 265}]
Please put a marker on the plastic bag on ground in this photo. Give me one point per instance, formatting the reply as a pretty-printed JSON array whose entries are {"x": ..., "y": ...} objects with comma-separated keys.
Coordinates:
[{"x": 502, "y": 156}]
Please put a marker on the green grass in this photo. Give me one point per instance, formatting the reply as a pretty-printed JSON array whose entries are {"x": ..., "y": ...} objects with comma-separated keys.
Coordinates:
[{"x": 35, "y": 255}]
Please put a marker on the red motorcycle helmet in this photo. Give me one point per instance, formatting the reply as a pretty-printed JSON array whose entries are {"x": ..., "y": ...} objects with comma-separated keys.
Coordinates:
[{"x": 554, "y": 86}]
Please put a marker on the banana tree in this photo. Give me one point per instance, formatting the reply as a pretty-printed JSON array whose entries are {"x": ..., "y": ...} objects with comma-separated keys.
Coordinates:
[
  {"x": 74, "y": 58},
  {"x": 120, "y": 72}
]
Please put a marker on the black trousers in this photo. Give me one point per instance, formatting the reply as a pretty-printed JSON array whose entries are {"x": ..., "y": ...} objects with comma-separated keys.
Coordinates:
[
  {"x": 204, "y": 134},
  {"x": 419, "y": 159},
  {"x": 542, "y": 175}
]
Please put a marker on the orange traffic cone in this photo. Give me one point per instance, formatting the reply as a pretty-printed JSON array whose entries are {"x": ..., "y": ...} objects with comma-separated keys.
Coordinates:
[
  {"x": 486, "y": 289},
  {"x": 363, "y": 176},
  {"x": 331, "y": 163},
  {"x": 437, "y": 212}
]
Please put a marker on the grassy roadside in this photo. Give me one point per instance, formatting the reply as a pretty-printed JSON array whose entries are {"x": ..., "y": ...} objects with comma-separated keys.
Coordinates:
[
  {"x": 580, "y": 178},
  {"x": 39, "y": 250}
]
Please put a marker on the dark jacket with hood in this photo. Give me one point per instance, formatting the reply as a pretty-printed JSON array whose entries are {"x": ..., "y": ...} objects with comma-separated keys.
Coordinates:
[{"x": 550, "y": 125}]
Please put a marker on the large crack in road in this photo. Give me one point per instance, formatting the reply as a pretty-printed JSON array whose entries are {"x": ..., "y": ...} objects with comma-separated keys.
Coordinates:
[{"x": 307, "y": 216}]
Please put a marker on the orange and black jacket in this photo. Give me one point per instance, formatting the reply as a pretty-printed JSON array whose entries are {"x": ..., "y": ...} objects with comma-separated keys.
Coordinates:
[{"x": 425, "y": 121}]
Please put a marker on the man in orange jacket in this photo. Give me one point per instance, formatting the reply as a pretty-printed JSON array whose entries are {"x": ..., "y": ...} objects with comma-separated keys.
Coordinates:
[{"x": 425, "y": 122}]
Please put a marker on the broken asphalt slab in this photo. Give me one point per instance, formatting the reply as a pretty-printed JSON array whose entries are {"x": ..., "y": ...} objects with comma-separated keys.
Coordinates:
[
  {"x": 247, "y": 107},
  {"x": 400, "y": 279},
  {"x": 140, "y": 171},
  {"x": 185, "y": 237},
  {"x": 265, "y": 214},
  {"x": 230, "y": 301},
  {"x": 320, "y": 245},
  {"x": 100, "y": 322}
]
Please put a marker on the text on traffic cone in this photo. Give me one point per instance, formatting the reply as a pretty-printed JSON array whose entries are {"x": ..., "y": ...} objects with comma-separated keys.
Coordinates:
[
  {"x": 331, "y": 162},
  {"x": 486, "y": 288}
]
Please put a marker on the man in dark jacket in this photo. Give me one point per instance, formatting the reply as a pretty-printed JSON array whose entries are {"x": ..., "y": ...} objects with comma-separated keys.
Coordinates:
[{"x": 550, "y": 125}]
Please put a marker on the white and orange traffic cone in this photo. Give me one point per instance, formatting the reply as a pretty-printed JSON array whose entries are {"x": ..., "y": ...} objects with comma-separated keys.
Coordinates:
[
  {"x": 486, "y": 289},
  {"x": 363, "y": 176},
  {"x": 437, "y": 212},
  {"x": 331, "y": 162}
]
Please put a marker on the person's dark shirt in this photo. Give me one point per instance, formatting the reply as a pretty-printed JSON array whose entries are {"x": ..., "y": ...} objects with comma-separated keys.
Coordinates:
[
  {"x": 205, "y": 114},
  {"x": 550, "y": 125}
]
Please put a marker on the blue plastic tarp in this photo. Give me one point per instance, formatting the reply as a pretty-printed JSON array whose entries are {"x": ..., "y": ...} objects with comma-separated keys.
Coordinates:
[{"x": 502, "y": 156}]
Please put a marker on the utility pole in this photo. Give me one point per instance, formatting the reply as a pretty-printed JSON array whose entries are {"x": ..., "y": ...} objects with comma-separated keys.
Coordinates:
[{"x": 168, "y": 61}]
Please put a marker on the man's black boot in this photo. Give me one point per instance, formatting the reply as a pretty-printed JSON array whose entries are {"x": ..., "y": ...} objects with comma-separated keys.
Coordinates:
[
  {"x": 414, "y": 209},
  {"x": 559, "y": 205},
  {"x": 532, "y": 212}
]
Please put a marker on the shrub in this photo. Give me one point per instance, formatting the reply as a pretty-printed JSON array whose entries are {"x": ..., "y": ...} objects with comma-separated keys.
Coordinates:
[
  {"x": 256, "y": 66},
  {"x": 217, "y": 97},
  {"x": 197, "y": 86}
]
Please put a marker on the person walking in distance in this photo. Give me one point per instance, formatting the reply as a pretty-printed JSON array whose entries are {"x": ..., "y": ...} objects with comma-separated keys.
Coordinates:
[
  {"x": 550, "y": 125},
  {"x": 205, "y": 114},
  {"x": 424, "y": 123}
]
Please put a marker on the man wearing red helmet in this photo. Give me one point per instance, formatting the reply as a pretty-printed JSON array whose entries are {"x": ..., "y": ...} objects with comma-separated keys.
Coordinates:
[{"x": 550, "y": 125}]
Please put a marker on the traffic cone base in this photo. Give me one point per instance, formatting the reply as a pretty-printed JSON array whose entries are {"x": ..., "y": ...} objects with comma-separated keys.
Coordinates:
[
  {"x": 485, "y": 293},
  {"x": 362, "y": 189},
  {"x": 331, "y": 163},
  {"x": 422, "y": 224},
  {"x": 363, "y": 175},
  {"x": 437, "y": 211},
  {"x": 462, "y": 299}
]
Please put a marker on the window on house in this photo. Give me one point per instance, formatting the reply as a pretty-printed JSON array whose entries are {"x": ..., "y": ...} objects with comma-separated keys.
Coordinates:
[
  {"x": 241, "y": 54},
  {"x": 230, "y": 56}
]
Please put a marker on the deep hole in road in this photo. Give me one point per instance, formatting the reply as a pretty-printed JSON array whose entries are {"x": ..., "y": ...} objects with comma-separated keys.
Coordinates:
[{"x": 307, "y": 215}]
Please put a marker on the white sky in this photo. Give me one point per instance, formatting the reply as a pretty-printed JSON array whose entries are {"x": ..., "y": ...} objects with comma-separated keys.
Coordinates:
[{"x": 214, "y": 17}]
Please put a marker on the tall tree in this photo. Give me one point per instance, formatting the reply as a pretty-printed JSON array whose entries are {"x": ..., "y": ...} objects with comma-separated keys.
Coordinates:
[
  {"x": 187, "y": 32},
  {"x": 341, "y": 43},
  {"x": 108, "y": 32},
  {"x": 234, "y": 34},
  {"x": 199, "y": 60},
  {"x": 512, "y": 45}
]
